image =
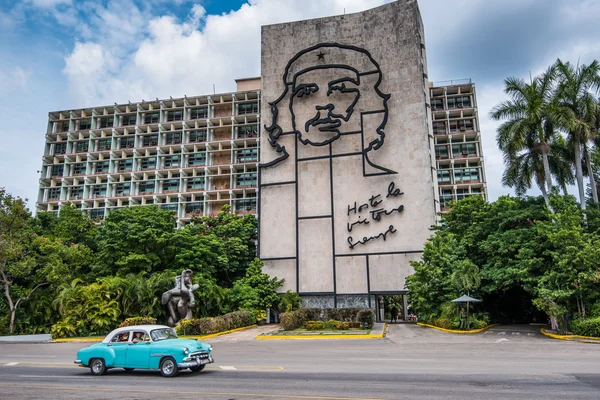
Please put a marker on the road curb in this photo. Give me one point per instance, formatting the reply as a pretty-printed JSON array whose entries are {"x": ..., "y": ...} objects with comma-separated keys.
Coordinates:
[
  {"x": 456, "y": 331},
  {"x": 296, "y": 337},
  {"x": 99, "y": 339},
  {"x": 572, "y": 338}
]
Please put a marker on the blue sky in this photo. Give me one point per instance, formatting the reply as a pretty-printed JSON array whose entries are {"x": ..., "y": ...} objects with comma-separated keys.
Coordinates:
[{"x": 65, "y": 54}]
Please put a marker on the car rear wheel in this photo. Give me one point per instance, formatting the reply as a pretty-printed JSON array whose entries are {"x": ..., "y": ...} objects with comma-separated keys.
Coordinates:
[
  {"x": 198, "y": 368},
  {"x": 97, "y": 366},
  {"x": 168, "y": 367}
]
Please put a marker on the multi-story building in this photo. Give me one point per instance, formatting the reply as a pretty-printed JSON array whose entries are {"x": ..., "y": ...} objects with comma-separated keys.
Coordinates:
[
  {"x": 190, "y": 155},
  {"x": 457, "y": 138}
]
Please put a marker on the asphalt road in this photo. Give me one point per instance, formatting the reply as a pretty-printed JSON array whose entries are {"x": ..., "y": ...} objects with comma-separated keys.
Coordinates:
[{"x": 412, "y": 362}]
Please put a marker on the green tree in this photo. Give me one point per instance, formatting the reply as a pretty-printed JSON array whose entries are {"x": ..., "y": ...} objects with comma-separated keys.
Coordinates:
[
  {"x": 528, "y": 133},
  {"x": 578, "y": 109},
  {"x": 257, "y": 290},
  {"x": 73, "y": 226}
]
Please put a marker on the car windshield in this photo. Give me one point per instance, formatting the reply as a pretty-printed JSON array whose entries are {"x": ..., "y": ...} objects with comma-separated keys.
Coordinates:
[{"x": 162, "y": 334}]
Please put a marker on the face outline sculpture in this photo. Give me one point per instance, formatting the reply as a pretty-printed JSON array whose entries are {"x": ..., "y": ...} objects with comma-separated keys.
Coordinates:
[
  {"x": 330, "y": 91},
  {"x": 332, "y": 102}
]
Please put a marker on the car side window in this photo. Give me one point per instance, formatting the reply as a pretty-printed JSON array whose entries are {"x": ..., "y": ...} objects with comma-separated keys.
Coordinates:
[
  {"x": 138, "y": 336},
  {"x": 120, "y": 337}
]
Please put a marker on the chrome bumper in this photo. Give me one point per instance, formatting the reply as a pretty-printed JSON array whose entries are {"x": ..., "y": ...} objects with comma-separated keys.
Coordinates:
[
  {"x": 189, "y": 362},
  {"x": 78, "y": 362}
]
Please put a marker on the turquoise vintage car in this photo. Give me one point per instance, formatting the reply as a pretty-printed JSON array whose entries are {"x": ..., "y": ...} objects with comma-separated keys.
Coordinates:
[{"x": 145, "y": 347}]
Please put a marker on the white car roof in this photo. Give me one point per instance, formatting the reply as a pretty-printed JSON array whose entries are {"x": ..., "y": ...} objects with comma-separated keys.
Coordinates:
[{"x": 145, "y": 328}]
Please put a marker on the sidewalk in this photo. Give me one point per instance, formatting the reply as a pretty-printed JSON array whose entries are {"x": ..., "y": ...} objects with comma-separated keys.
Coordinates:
[{"x": 26, "y": 338}]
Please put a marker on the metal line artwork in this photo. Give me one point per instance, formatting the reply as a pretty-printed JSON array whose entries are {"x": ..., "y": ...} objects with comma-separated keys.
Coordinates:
[{"x": 327, "y": 120}]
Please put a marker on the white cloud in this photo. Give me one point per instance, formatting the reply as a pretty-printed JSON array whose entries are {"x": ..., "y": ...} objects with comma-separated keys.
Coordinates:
[
  {"x": 48, "y": 3},
  {"x": 13, "y": 79}
]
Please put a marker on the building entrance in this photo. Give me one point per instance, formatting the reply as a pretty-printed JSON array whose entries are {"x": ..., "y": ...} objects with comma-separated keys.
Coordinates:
[{"x": 394, "y": 308}]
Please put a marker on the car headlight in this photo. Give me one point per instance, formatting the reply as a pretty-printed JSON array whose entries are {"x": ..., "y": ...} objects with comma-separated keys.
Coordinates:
[
  {"x": 209, "y": 347},
  {"x": 186, "y": 351}
]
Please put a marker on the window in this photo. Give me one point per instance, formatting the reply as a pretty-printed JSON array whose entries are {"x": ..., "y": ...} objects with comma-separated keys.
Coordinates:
[
  {"x": 197, "y": 136},
  {"x": 463, "y": 101},
  {"x": 104, "y": 144},
  {"x": 146, "y": 187},
  {"x": 129, "y": 120},
  {"x": 248, "y": 108},
  {"x": 81, "y": 147},
  {"x": 195, "y": 183},
  {"x": 60, "y": 148},
  {"x": 105, "y": 122},
  {"x": 98, "y": 213},
  {"x": 57, "y": 170},
  {"x": 77, "y": 192},
  {"x": 467, "y": 174},
  {"x": 169, "y": 207},
  {"x": 246, "y": 179},
  {"x": 78, "y": 169},
  {"x": 247, "y": 204},
  {"x": 54, "y": 193},
  {"x": 196, "y": 113},
  {"x": 437, "y": 104},
  {"x": 148, "y": 163},
  {"x": 150, "y": 140},
  {"x": 64, "y": 127},
  {"x": 197, "y": 159},
  {"x": 125, "y": 165},
  {"x": 467, "y": 149},
  {"x": 194, "y": 208},
  {"x": 151, "y": 118},
  {"x": 248, "y": 131},
  {"x": 172, "y": 161},
  {"x": 123, "y": 189},
  {"x": 247, "y": 155},
  {"x": 99, "y": 190},
  {"x": 85, "y": 124},
  {"x": 100, "y": 166},
  {"x": 173, "y": 138},
  {"x": 170, "y": 184},
  {"x": 175, "y": 115},
  {"x": 443, "y": 176},
  {"x": 439, "y": 128},
  {"x": 441, "y": 151},
  {"x": 128, "y": 143}
]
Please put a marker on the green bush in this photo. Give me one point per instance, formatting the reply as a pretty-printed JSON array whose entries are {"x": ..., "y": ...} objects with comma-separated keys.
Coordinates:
[
  {"x": 586, "y": 326},
  {"x": 63, "y": 329},
  {"x": 292, "y": 320},
  {"x": 342, "y": 326},
  {"x": 138, "y": 321},
  {"x": 239, "y": 319},
  {"x": 366, "y": 317},
  {"x": 290, "y": 301},
  {"x": 331, "y": 324},
  {"x": 314, "y": 325},
  {"x": 202, "y": 326},
  {"x": 594, "y": 310}
]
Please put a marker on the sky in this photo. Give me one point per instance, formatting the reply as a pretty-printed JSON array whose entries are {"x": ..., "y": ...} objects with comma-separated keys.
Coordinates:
[{"x": 67, "y": 54}]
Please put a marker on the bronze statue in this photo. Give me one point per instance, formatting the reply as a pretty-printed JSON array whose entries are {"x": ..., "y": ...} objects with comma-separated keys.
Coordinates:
[{"x": 180, "y": 300}]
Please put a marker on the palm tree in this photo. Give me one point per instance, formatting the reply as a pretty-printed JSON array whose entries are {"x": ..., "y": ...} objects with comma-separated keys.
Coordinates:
[
  {"x": 577, "y": 108},
  {"x": 528, "y": 129}
]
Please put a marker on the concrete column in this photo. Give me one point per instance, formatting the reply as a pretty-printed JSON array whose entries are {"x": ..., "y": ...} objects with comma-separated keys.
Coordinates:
[{"x": 405, "y": 306}]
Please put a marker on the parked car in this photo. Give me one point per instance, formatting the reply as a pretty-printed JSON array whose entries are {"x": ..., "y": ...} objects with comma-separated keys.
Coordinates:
[{"x": 145, "y": 347}]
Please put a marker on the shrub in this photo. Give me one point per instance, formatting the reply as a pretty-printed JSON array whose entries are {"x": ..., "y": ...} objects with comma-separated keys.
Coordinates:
[
  {"x": 342, "y": 326},
  {"x": 290, "y": 301},
  {"x": 63, "y": 329},
  {"x": 239, "y": 319},
  {"x": 314, "y": 325},
  {"x": 366, "y": 317},
  {"x": 201, "y": 326},
  {"x": 586, "y": 326},
  {"x": 187, "y": 327},
  {"x": 292, "y": 320},
  {"x": 138, "y": 321},
  {"x": 354, "y": 325},
  {"x": 331, "y": 324}
]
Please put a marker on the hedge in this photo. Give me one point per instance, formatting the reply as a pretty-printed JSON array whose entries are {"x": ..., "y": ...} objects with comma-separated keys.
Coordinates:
[
  {"x": 205, "y": 326},
  {"x": 586, "y": 326},
  {"x": 138, "y": 321},
  {"x": 296, "y": 319}
]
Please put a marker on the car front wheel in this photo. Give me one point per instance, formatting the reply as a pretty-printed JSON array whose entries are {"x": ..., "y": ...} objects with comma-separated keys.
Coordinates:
[
  {"x": 97, "y": 366},
  {"x": 168, "y": 367},
  {"x": 198, "y": 368}
]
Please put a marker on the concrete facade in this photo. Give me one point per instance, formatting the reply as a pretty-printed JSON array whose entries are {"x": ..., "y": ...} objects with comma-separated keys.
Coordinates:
[{"x": 347, "y": 187}]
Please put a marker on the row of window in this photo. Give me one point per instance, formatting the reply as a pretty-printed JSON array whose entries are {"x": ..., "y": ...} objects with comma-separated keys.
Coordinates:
[
  {"x": 146, "y": 187},
  {"x": 173, "y": 161},
  {"x": 460, "y": 175},
  {"x": 439, "y": 127},
  {"x": 243, "y": 132},
  {"x": 451, "y": 102},
  {"x": 153, "y": 118},
  {"x": 459, "y": 149}
]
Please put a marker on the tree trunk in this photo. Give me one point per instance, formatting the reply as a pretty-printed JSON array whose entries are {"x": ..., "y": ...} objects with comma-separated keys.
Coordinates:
[
  {"x": 588, "y": 163},
  {"x": 579, "y": 174},
  {"x": 11, "y": 306},
  {"x": 546, "y": 198},
  {"x": 547, "y": 171}
]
